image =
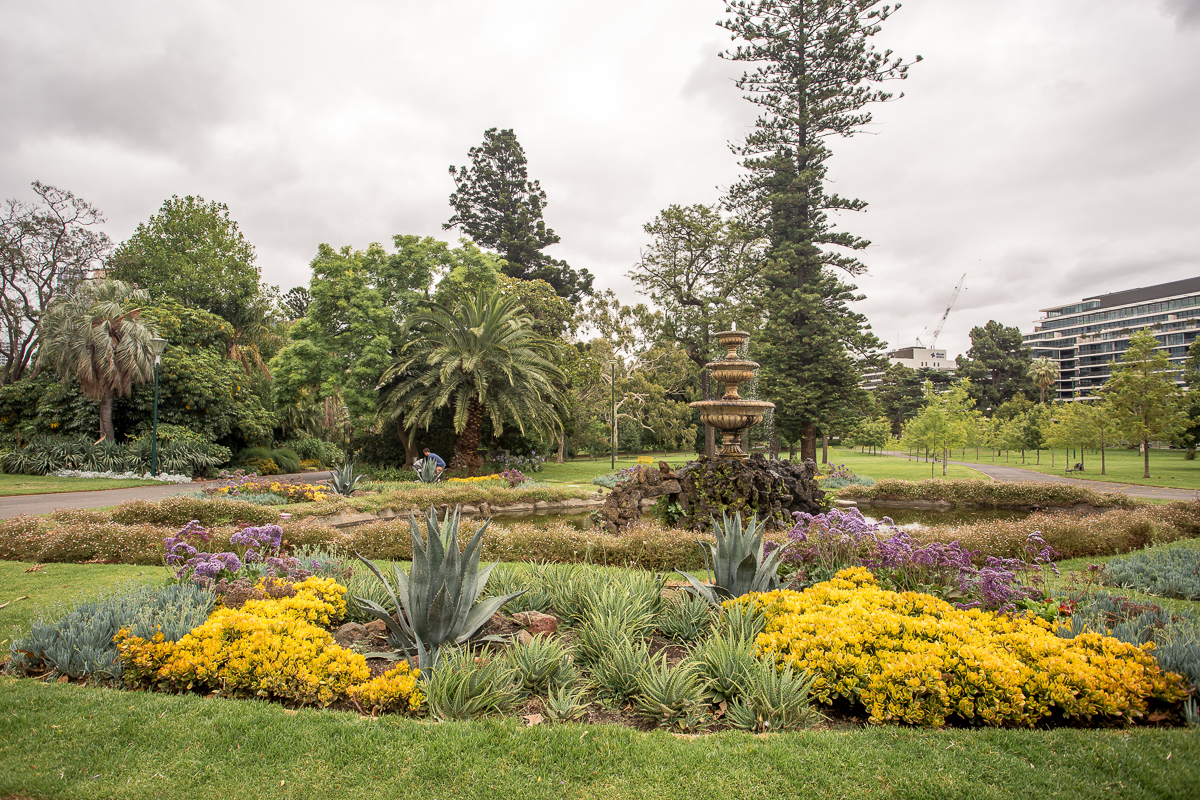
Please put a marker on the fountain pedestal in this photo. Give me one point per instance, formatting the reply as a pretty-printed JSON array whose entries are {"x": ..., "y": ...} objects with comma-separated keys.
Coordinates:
[{"x": 731, "y": 414}]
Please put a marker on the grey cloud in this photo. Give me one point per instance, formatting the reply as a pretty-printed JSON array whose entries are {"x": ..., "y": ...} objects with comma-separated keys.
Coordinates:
[{"x": 1185, "y": 12}]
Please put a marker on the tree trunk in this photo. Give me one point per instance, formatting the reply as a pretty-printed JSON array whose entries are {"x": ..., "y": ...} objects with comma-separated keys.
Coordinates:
[
  {"x": 1146, "y": 456},
  {"x": 562, "y": 449},
  {"x": 466, "y": 449},
  {"x": 106, "y": 426},
  {"x": 773, "y": 445},
  {"x": 808, "y": 442},
  {"x": 407, "y": 439},
  {"x": 825, "y": 449}
]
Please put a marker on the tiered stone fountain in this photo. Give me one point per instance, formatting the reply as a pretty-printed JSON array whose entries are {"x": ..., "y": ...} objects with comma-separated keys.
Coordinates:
[{"x": 731, "y": 414}]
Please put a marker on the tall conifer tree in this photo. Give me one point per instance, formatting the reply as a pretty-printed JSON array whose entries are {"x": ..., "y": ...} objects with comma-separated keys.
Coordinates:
[
  {"x": 813, "y": 72},
  {"x": 497, "y": 205}
]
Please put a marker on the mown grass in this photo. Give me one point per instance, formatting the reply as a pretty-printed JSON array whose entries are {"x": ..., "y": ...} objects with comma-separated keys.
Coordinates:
[
  {"x": 14, "y": 485},
  {"x": 60, "y": 741},
  {"x": 1167, "y": 467},
  {"x": 879, "y": 466}
]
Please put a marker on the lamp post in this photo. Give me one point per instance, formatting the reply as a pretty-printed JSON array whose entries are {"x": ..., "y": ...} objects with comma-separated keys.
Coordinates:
[
  {"x": 614, "y": 414},
  {"x": 157, "y": 345}
]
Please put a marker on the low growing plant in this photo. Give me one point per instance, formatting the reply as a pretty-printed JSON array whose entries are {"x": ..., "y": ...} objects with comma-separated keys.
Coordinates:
[{"x": 738, "y": 561}]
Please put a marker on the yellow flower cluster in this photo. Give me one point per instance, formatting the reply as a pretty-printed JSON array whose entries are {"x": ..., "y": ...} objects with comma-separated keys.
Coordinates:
[
  {"x": 268, "y": 648},
  {"x": 299, "y": 492},
  {"x": 476, "y": 479},
  {"x": 394, "y": 690},
  {"x": 911, "y": 657},
  {"x": 317, "y": 601}
]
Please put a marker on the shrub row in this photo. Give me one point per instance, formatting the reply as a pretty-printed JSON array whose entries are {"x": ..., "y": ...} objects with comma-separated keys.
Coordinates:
[
  {"x": 91, "y": 536},
  {"x": 1017, "y": 494},
  {"x": 423, "y": 495},
  {"x": 1076, "y": 535}
]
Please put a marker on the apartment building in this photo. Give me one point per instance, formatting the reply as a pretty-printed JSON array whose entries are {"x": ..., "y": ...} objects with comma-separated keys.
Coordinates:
[{"x": 1086, "y": 337}]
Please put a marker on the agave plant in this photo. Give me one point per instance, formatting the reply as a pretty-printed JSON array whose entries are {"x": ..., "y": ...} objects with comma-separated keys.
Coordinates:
[
  {"x": 436, "y": 602},
  {"x": 428, "y": 473},
  {"x": 345, "y": 480},
  {"x": 737, "y": 561}
]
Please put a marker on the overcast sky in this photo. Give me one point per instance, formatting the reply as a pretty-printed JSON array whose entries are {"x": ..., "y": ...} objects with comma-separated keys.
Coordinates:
[{"x": 1049, "y": 149}]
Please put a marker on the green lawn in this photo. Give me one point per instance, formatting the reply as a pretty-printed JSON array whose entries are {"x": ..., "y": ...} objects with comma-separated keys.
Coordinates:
[
  {"x": 48, "y": 484},
  {"x": 1167, "y": 467},
  {"x": 65, "y": 741},
  {"x": 879, "y": 466}
]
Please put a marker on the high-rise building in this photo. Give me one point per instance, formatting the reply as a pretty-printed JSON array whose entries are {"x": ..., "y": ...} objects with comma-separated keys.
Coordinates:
[
  {"x": 1086, "y": 337},
  {"x": 914, "y": 358}
]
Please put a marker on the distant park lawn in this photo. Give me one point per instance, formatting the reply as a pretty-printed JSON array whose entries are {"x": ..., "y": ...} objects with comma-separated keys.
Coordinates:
[
  {"x": 11, "y": 485},
  {"x": 879, "y": 466},
  {"x": 1167, "y": 467},
  {"x": 581, "y": 471}
]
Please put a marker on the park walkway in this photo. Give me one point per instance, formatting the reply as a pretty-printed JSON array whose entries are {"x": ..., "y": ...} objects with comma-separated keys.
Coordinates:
[
  {"x": 45, "y": 503},
  {"x": 1010, "y": 474}
]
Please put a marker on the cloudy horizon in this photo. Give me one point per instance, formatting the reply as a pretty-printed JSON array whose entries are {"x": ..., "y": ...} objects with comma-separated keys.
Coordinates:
[{"x": 1046, "y": 150}]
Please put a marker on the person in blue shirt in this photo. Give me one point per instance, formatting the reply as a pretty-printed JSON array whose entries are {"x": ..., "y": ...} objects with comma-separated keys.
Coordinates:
[{"x": 441, "y": 465}]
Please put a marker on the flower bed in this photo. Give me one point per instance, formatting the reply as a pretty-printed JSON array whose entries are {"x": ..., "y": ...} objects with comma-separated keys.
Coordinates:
[{"x": 913, "y": 658}]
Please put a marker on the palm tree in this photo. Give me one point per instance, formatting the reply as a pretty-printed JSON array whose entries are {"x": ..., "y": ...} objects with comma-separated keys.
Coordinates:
[
  {"x": 1044, "y": 374},
  {"x": 94, "y": 336},
  {"x": 481, "y": 357}
]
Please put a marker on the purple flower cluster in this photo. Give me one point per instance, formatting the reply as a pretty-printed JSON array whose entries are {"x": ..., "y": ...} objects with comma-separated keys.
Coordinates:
[
  {"x": 840, "y": 471},
  {"x": 514, "y": 477},
  {"x": 260, "y": 555},
  {"x": 826, "y": 543},
  {"x": 530, "y": 463}
]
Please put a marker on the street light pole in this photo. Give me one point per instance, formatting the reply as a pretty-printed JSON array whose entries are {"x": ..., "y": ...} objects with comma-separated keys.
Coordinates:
[
  {"x": 157, "y": 345},
  {"x": 614, "y": 415}
]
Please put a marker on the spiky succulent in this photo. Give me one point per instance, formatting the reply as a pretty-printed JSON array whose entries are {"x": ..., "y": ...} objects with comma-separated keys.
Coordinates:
[
  {"x": 436, "y": 600},
  {"x": 737, "y": 561},
  {"x": 345, "y": 479}
]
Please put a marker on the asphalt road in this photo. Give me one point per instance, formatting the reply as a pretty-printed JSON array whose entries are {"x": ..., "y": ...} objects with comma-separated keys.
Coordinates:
[{"x": 45, "y": 503}]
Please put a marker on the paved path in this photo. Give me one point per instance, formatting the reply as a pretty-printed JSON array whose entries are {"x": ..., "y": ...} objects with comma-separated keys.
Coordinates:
[
  {"x": 45, "y": 503},
  {"x": 1008, "y": 474}
]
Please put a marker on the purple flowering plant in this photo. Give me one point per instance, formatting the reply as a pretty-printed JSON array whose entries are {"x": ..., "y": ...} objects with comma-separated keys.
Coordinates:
[
  {"x": 514, "y": 477},
  {"x": 828, "y": 542},
  {"x": 259, "y": 555}
]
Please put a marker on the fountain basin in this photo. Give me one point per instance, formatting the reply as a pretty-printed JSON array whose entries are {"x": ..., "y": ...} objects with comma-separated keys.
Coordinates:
[{"x": 731, "y": 417}]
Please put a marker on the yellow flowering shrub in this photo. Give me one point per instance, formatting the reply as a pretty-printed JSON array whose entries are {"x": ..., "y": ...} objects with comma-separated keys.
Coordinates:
[
  {"x": 268, "y": 648},
  {"x": 394, "y": 690},
  {"x": 911, "y": 657},
  {"x": 476, "y": 479},
  {"x": 317, "y": 601}
]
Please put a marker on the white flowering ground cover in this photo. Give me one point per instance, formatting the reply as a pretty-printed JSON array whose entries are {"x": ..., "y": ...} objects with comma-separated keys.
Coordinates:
[{"x": 162, "y": 477}]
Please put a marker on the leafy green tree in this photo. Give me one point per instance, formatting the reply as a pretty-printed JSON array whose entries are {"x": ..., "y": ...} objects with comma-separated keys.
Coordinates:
[
  {"x": 1044, "y": 374},
  {"x": 1143, "y": 394},
  {"x": 997, "y": 364},
  {"x": 497, "y": 205},
  {"x": 813, "y": 71},
  {"x": 947, "y": 421},
  {"x": 701, "y": 269},
  {"x": 200, "y": 388},
  {"x": 192, "y": 250},
  {"x": 94, "y": 336},
  {"x": 45, "y": 248},
  {"x": 900, "y": 392},
  {"x": 342, "y": 346},
  {"x": 480, "y": 357},
  {"x": 1189, "y": 434}
]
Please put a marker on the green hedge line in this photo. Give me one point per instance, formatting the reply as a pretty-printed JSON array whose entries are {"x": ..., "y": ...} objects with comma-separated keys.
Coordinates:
[
  {"x": 1018, "y": 494},
  {"x": 1076, "y": 535}
]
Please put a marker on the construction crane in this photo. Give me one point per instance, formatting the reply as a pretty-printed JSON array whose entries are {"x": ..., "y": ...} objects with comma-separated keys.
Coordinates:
[{"x": 950, "y": 305}]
